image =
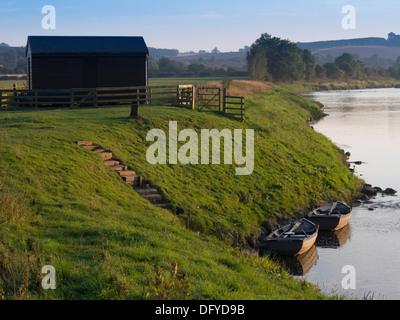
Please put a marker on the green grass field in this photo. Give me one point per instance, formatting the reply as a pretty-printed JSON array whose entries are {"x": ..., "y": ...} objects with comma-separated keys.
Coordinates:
[
  {"x": 152, "y": 81},
  {"x": 8, "y": 84},
  {"x": 62, "y": 206},
  {"x": 192, "y": 81}
]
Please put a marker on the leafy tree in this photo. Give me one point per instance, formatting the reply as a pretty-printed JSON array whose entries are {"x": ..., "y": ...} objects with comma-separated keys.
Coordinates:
[
  {"x": 351, "y": 66},
  {"x": 320, "y": 72},
  {"x": 284, "y": 58},
  {"x": 168, "y": 65},
  {"x": 333, "y": 72},
  {"x": 290, "y": 65},
  {"x": 257, "y": 63},
  {"x": 197, "y": 68},
  {"x": 309, "y": 62},
  {"x": 153, "y": 66},
  {"x": 394, "y": 70}
]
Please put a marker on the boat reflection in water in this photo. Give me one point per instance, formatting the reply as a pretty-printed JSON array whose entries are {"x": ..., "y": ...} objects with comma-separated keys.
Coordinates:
[
  {"x": 301, "y": 264},
  {"x": 333, "y": 239},
  {"x": 297, "y": 265}
]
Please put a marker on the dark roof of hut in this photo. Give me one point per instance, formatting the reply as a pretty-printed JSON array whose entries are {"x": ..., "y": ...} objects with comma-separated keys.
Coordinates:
[{"x": 86, "y": 45}]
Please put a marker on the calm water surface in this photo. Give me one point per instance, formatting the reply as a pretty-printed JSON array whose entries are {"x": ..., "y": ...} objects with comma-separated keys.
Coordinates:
[{"x": 367, "y": 124}]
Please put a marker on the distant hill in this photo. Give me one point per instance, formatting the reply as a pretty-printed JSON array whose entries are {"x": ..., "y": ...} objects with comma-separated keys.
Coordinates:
[
  {"x": 393, "y": 40},
  {"x": 313, "y": 46},
  {"x": 362, "y": 51},
  {"x": 373, "y": 51}
]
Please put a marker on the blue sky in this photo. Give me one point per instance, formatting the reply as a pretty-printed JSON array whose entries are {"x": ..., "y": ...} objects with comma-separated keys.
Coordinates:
[{"x": 202, "y": 24}]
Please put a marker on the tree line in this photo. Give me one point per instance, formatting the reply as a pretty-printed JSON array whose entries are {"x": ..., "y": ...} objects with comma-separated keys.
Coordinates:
[
  {"x": 165, "y": 67},
  {"x": 274, "y": 59},
  {"x": 394, "y": 70},
  {"x": 12, "y": 59}
]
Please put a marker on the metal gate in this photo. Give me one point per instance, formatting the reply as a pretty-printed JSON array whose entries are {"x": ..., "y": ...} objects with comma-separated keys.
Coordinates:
[{"x": 209, "y": 99}]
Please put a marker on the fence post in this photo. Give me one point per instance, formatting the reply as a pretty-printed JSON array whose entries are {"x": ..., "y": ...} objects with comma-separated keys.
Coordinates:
[
  {"x": 150, "y": 97},
  {"x": 15, "y": 95},
  {"x": 193, "y": 96},
  {"x": 137, "y": 97},
  {"x": 177, "y": 95},
  {"x": 1, "y": 99},
  {"x": 198, "y": 99},
  {"x": 135, "y": 106},
  {"x": 223, "y": 101},
  {"x": 71, "y": 99},
  {"x": 242, "y": 108},
  {"x": 95, "y": 97},
  {"x": 36, "y": 99}
]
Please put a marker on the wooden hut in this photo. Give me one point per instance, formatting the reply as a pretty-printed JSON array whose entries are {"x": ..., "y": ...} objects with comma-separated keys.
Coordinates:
[{"x": 59, "y": 62}]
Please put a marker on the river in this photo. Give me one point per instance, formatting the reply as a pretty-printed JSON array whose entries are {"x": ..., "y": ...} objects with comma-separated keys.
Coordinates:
[{"x": 367, "y": 124}]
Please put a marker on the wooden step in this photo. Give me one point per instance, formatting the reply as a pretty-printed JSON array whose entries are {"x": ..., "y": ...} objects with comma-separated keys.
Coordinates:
[
  {"x": 98, "y": 150},
  {"x": 119, "y": 167},
  {"x": 84, "y": 143},
  {"x": 135, "y": 180},
  {"x": 111, "y": 163},
  {"x": 145, "y": 191},
  {"x": 106, "y": 155},
  {"x": 153, "y": 198},
  {"x": 90, "y": 147},
  {"x": 126, "y": 173}
]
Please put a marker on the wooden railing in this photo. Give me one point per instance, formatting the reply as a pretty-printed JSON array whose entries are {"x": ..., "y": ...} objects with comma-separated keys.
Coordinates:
[
  {"x": 95, "y": 97},
  {"x": 233, "y": 105},
  {"x": 208, "y": 99},
  {"x": 217, "y": 100}
]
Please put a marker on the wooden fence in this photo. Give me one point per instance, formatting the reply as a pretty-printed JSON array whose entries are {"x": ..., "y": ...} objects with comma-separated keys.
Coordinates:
[
  {"x": 95, "y": 97},
  {"x": 233, "y": 105},
  {"x": 208, "y": 99},
  {"x": 217, "y": 100}
]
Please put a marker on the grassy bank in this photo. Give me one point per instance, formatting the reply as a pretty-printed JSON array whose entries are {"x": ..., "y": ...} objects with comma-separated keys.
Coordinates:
[{"x": 61, "y": 206}]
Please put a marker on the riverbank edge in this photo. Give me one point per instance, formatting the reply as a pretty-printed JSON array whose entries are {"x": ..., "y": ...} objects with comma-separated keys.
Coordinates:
[{"x": 358, "y": 197}]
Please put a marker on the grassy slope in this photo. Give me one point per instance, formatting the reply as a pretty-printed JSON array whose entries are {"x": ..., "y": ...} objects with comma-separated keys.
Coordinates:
[{"x": 103, "y": 239}]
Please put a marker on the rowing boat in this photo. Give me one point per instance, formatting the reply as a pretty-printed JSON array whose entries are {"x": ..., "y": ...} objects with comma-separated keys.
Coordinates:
[
  {"x": 292, "y": 239},
  {"x": 333, "y": 216}
]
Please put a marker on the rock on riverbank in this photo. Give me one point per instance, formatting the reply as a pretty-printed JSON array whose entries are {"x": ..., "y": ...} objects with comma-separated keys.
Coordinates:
[{"x": 370, "y": 191}]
